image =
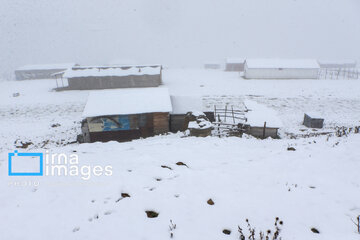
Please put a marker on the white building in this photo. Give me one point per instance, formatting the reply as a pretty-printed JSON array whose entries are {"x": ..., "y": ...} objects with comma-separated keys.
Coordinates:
[{"x": 281, "y": 69}]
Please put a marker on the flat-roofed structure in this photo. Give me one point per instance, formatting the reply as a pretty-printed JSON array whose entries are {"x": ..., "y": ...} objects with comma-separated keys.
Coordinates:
[{"x": 126, "y": 114}]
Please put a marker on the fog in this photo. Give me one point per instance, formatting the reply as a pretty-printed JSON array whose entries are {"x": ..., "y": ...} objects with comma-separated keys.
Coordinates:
[{"x": 177, "y": 33}]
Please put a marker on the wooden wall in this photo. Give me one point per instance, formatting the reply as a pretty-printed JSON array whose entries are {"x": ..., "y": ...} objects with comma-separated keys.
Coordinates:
[{"x": 161, "y": 123}]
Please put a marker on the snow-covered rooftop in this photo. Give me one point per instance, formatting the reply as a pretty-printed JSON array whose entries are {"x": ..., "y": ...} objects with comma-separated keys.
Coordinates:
[
  {"x": 235, "y": 60},
  {"x": 258, "y": 114},
  {"x": 46, "y": 66},
  {"x": 127, "y": 101},
  {"x": 99, "y": 72},
  {"x": 282, "y": 63},
  {"x": 184, "y": 104}
]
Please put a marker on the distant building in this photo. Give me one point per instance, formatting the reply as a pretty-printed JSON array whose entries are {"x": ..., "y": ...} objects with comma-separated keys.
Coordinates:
[
  {"x": 212, "y": 66},
  {"x": 107, "y": 77},
  {"x": 234, "y": 64},
  {"x": 126, "y": 114},
  {"x": 31, "y": 72},
  {"x": 281, "y": 69},
  {"x": 337, "y": 64}
]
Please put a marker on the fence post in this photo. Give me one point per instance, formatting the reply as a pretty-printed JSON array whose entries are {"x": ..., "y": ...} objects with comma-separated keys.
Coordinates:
[
  {"x": 225, "y": 113},
  {"x": 232, "y": 110},
  {"x": 264, "y": 130}
]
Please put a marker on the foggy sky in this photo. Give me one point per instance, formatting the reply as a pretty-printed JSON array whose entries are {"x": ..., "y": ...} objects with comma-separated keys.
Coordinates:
[{"x": 178, "y": 33}]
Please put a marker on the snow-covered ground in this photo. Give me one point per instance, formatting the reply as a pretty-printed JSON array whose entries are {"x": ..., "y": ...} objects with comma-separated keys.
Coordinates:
[{"x": 316, "y": 186}]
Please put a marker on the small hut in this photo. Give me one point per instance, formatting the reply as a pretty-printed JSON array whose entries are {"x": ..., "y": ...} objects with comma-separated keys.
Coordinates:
[
  {"x": 108, "y": 77},
  {"x": 311, "y": 120},
  {"x": 47, "y": 71},
  {"x": 212, "y": 66},
  {"x": 126, "y": 114},
  {"x": 234, "y": 64}
]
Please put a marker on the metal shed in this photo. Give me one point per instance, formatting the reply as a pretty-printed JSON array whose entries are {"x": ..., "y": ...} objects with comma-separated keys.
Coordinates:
[
  {"x": 234, "y": 64},
  {"x": 126, "y": 114},
  {"x": 108, "y": 77},
  {"x": 281, "y": 69}
]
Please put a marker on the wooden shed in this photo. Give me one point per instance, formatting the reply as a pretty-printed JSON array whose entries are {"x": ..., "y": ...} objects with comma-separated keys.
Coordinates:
[
  {"x": 108, "y": 77},
  {"x": 126, "y": 114},
  {"x": 46, "y": 71},
  {"x": 281, "y": 69}
]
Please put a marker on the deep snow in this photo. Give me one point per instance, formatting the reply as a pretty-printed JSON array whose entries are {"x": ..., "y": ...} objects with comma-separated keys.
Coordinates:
[{"x": 318, "y": 185}]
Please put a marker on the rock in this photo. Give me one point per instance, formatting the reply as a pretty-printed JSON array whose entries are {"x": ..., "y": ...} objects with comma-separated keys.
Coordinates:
[
  {"x": 226, "y": 231},
  {"x": 125, "y": 195},
  {"x": 210, "y": 202},
  {"x": 181, "y": 164},
  {"x": 164, "y": 166},
  {"x": 152, "y": 214},
  {"x": 314, "y": 230}
]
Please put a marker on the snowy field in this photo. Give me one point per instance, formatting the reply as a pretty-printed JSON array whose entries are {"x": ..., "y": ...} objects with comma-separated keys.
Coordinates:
[{"x": 316, "y": 186}]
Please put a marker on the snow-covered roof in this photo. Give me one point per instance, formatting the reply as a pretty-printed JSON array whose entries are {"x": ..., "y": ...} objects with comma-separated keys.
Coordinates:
[
  {"x": 235, "y": 60},
  {"x": 184, "y": 104},
  {"x": 282, "y": 63},
  {"x": 115, "y": 66},
  {"x": 46, "y": 66},
  {"x": 258, "y": 114},
  {"x": 103, "y": 72},
  {"x": 127, "y": 101}
]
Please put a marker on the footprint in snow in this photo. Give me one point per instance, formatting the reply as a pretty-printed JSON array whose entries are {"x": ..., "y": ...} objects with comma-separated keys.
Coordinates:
[
  {"x": 76, "y": 229},
  {"x": 108, "y": 212}
]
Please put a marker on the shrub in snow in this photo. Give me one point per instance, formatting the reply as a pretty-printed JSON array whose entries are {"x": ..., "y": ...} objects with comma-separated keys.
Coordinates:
[
  {"x": 263, "y": 235},
  {"x": 357, "y": 223}
]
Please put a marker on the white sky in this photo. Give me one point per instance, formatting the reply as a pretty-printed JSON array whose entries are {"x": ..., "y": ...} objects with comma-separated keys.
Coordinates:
[{"x": 175, "y": 32}]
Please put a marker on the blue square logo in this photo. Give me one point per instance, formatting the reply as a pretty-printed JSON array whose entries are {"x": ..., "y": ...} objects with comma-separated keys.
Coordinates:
[{"x": 24, "y": 157}]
